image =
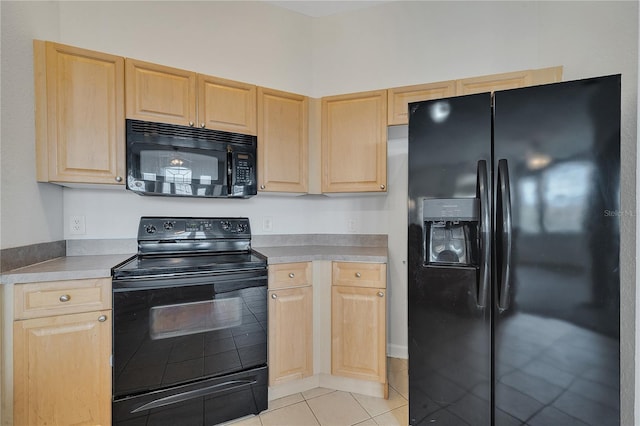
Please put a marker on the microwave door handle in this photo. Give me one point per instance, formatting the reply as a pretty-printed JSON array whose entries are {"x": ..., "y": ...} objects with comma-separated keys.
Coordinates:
[{"x": 229, "y": 169}]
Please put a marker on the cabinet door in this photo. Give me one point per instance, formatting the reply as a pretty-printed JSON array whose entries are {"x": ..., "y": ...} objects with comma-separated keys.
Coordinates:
[
  {"x": 358, "y": 347},
  {"x": 283, "y": 139},
  {"x": 160, "y": 94},
  {"x": 290, "y": 334},
  {"x": 354, "y": 142},
  {"x": 226, "y": 105},
  {"x": 79, "y": 115},
  {"x": 61, "y": 370},
  {"x": 510, "y": 80},
  {"x": 400, "y": 97}
]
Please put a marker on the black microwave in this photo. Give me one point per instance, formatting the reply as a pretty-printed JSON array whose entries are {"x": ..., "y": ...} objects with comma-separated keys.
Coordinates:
[{"x": 183, "y": 161}]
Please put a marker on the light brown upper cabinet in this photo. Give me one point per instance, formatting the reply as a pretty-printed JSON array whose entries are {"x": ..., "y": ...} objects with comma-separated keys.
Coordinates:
[
  {"x": 175, "y": 96},
  {"x": 79, "y": 110},
  {"x": 400, "y": 97},
  {"x": 226, "y": 105},
  {"x": 354, "y": 142},
  {"x": 509, "y": 80},
  {"x": 159, "y": 93},
  {"x": 283, "y": 139}
]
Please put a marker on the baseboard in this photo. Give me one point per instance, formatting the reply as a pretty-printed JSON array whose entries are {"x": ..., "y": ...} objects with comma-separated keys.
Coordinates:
[{"x": 398, "y": 351}]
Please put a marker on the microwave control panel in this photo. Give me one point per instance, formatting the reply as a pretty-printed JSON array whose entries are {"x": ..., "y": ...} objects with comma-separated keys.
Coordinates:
[{"x": 244, "y": 171}]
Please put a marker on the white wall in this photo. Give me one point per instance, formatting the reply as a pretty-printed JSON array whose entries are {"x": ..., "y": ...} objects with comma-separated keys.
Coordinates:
[
  {"x": 29, "y": 212},
  {"x": 249, "y": 41},
  {"x": 392, "y": 44}
]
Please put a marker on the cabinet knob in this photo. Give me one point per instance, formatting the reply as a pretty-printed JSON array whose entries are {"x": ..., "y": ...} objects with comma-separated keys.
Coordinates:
[
  {"x": 102, "y": 318},
  {"x": 274, "y": 296},
  {"x": 118, "y": 178},
  {"x": 191, "y": 123},
  {"x": 380, "y": 294},
  {"x": 358, "y": 275},
  {"x": 382, "y": 187},
  {"x": 291, "y": 275},
  {"x": 202, "y": 125},
  {"x": 262, "y": 186},
  {"x": 65, "y": 298}
]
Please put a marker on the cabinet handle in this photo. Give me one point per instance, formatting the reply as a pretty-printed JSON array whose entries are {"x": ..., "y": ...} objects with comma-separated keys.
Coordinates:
[
  {"x": 65, "y": 298},
  {"x": 118, "y": 178},
  {"x": 274, "y": 296},
  {"x": 202, "y": 125},
  {"x": 102, "y": 318},
  {"x": 382, "y": 187},
  {"x": 262, "y": 186},
  {"x": 358, "y": 275},
  {"x": 191, "y": 123},
  {"x": 291, "y": 275},
  {"x": 380, "y": 294}
]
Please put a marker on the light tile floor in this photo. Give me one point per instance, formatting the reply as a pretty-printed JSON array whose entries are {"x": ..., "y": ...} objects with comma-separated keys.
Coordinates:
[{"x": 328, "y": 407}]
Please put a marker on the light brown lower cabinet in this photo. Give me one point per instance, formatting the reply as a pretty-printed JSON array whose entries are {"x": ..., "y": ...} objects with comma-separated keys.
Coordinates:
[
  {"x": 61, "y": 362},
  {"x": 358, "y": 321},
  {"x": 290, "y": 334},
  {"x": 290, "y": 322}
]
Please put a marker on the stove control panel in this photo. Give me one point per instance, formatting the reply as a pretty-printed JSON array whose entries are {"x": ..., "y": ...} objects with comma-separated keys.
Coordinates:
[{"x": 190, "y": 228}]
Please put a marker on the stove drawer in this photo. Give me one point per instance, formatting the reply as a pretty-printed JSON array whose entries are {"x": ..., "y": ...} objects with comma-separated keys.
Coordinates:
[
  {"x": 285, "y": 275},
  {"x": 209, "y": 401},
  {"x": 36, "y": 300}
]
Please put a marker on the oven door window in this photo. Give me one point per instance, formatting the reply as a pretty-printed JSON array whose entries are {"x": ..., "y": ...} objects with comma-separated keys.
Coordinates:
[
  {"x": 184, "y": 319},
  {"x": 169, "y": 335},
  {"x": 176, "y": 171}
]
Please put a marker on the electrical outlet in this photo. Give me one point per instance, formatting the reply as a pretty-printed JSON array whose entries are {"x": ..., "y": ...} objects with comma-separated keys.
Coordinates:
[
  {"x": 351, "y": 225},
  {"x": 267, "y": 224},
  {"x": 77, "y": 225}
]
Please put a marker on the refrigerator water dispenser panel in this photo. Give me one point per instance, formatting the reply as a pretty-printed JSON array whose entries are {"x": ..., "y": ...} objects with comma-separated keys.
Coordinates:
[{"x": 450, "y": 231}]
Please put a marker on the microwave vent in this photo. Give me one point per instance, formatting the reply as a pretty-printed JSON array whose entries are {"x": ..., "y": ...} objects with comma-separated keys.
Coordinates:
[{"x": 175, "y": 131}]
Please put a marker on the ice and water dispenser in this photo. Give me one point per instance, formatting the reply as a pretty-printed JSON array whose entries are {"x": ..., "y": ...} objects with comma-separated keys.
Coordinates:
[{"x": 451, "y": 231}]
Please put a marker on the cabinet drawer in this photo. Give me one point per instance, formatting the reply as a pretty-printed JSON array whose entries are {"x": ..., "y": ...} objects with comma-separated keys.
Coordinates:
[
  {"x": 34, "y": 300},
  {"x": 289, "y": 275},
  {"x": 359, "y": 274}
]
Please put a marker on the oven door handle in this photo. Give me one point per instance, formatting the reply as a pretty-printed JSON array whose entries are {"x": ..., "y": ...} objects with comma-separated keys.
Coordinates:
[{"x": 174, "y": 399}]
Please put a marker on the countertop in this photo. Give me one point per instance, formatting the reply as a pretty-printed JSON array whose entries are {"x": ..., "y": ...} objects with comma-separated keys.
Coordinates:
[
  {"x": 286, "y": 254},
  {"x": 65, "y": 268},
  {"x": 97, "y": 266}
]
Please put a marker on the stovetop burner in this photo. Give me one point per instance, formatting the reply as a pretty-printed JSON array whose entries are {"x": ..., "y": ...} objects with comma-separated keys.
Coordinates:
[
  {"x": 162, "y": 265},
  {"x": 170, "y": 246}
]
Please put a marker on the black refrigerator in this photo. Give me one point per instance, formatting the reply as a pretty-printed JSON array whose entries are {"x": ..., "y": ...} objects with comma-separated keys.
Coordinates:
[{"x": 513, "y": 257}]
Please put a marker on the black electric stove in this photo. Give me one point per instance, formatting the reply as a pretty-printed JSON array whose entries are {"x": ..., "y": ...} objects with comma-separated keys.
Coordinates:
[
  {"x": 190, "y": 324},
  {"x": 170, "y": 246}
]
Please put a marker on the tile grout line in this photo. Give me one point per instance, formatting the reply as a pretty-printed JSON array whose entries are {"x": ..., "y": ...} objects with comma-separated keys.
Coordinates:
[
  {"x": 365, "y": 410},
  {"x": 351, "y": 394},
  {"x": 312, "y": 412}
]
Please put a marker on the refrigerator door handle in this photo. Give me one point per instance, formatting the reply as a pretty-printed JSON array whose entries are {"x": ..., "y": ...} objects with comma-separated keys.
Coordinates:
[
  {"x": 485, "y": 217},
  {"x": 505, "y": 222}
]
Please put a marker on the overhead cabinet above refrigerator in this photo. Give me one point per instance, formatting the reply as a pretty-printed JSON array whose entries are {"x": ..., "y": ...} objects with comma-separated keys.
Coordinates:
[{"x": 514, "y": 256}]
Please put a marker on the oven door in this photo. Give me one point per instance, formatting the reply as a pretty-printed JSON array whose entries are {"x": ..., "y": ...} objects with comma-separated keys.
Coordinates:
[{"x": 170, "y": 331}]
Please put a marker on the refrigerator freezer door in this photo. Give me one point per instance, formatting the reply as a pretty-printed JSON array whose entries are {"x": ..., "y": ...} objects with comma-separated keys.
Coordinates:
[
  {"x": 557, "y": 329},
  {"x": 449, "y": 326}
]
